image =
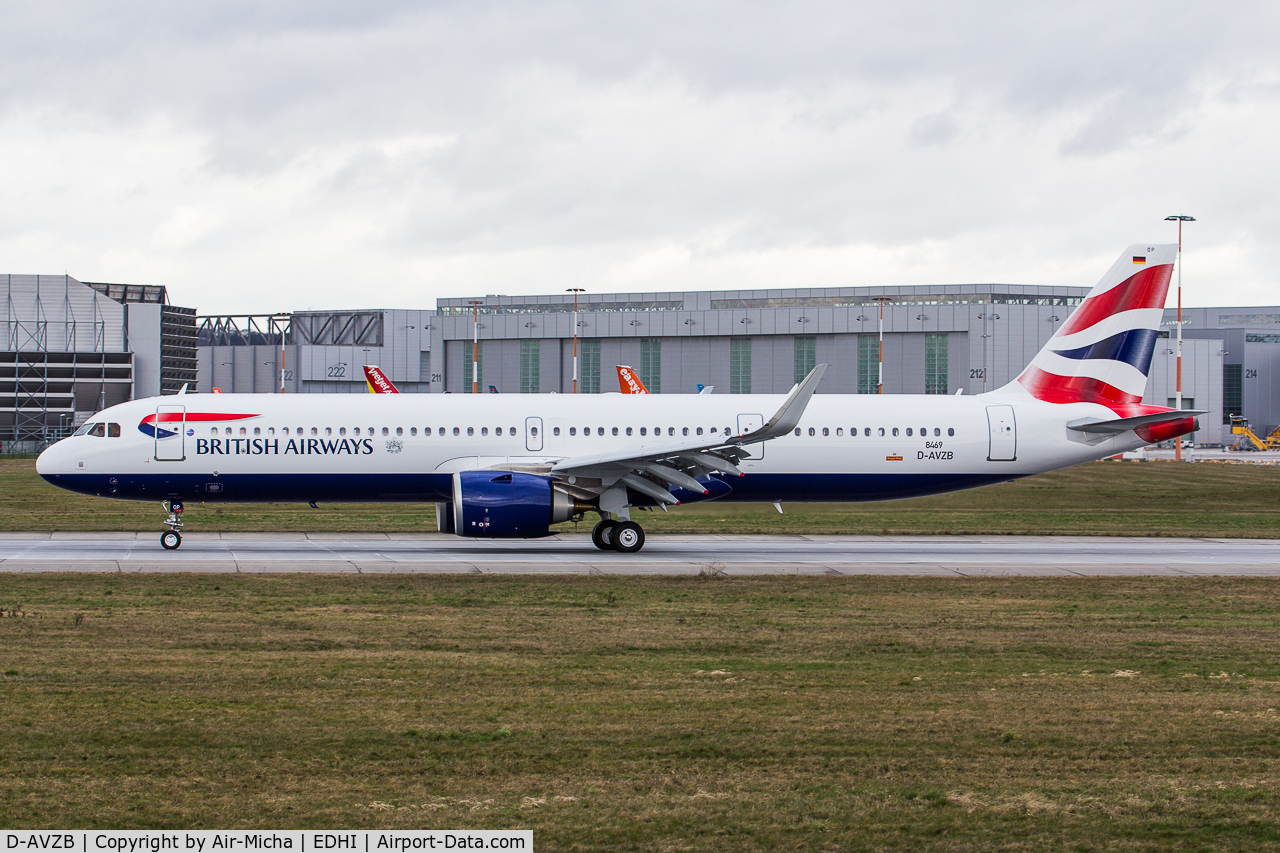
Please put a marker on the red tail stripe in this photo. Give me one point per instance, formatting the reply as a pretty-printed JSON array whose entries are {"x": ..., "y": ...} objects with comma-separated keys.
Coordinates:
[
  {"x": 1053, "y": 388},
  {"x": 1145, "y": 289}
]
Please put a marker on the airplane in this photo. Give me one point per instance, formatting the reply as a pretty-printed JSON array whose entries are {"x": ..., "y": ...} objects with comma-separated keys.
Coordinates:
[
  {"x": 377, "y": 381},
  {"x": 628, "y": 381},
  {"x": 513, "y": 465}
]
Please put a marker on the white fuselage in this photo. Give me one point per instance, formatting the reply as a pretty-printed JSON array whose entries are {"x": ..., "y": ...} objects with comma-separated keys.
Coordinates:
[{"x": 405, "y": 447}]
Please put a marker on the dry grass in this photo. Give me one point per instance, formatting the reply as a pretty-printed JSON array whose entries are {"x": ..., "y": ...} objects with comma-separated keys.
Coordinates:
[
  {"x": 1105, "y": 498},
  {"x": 703, "y": 713}
]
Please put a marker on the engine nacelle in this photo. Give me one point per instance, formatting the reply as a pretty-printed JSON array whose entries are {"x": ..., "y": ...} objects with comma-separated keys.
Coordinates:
[{"x": 506, "y": 505}]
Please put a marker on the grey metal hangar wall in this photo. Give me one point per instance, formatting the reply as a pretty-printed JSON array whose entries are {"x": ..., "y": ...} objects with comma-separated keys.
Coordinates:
[{"x": 938, "y": 339}]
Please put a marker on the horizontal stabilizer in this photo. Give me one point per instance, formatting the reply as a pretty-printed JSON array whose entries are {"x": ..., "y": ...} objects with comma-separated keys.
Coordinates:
[
  {"x": 1152, "y": 428},
  {"x": 1119, "y": 425}
]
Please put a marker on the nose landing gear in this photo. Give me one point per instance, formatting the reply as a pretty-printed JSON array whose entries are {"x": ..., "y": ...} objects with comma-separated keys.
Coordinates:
[
  {"x": 172, "y": 538},
  {"x": 624, "y": 536}
]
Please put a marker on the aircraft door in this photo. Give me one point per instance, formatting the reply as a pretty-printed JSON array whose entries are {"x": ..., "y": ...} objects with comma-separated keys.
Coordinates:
[
  {"x": 1004, "y": 434},
  {"x": 171, "y": 433},
  {"x": 751, "y": 423},
  {"x": 533, "y": 433}
]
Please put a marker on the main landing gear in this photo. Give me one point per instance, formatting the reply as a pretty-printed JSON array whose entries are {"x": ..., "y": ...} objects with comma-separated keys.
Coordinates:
[
  {"x": 171, "y": 538},
  {"x": 624, "y": 536}
]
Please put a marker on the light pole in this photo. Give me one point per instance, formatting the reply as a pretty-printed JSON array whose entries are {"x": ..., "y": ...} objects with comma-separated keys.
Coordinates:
[
  {"x": 575, "y": 291},
  {"x": 282, "y": 325},
  {"x": 881, "y": 300},
  {"x": 1177, "y": 445},
  {"x": 475, "y": 344}
]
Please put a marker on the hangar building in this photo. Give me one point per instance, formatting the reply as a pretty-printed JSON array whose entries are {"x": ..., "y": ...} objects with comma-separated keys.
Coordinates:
[
  {"x": 72, "y": 348},
  {"x": 938, "y": 339}
]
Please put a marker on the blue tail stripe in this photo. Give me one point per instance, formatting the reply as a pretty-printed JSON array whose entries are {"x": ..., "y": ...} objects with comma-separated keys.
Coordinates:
[{"x": 1135, "y": 347}]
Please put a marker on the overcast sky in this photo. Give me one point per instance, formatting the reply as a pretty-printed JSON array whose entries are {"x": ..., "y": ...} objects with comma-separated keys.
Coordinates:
[{"x": 257, "y": 156}]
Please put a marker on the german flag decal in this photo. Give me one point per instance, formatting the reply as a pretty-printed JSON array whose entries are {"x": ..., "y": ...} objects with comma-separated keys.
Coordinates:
[
  {"x": 894, "y": 458},
  {"x": 1140, "y": 260}
]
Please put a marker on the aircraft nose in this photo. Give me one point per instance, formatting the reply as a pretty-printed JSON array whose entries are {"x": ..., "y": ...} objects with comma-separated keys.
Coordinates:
[{"x": 48, "y": 462}]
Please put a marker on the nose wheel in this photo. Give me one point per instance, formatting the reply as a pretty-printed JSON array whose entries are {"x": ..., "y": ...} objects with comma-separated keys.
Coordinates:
[
  {"x": 624, "y": 536},
  {"x": 172, "y": 538}
]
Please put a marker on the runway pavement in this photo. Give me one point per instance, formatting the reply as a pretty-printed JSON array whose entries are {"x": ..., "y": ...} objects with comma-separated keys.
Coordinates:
[{"x": 663, "y": 555}]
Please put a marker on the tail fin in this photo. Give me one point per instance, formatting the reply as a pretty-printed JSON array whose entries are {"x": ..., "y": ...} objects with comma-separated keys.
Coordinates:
[
  {"x": 377, "y": 381},
  {"x": 1103, "y": 352},
  {"x": 629, "y": 382}
]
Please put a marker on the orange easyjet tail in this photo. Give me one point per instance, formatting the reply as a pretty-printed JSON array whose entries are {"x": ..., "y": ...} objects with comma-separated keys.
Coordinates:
[
  {"x": 629, "y": 382},
  {"x": 377, "y": 381}
]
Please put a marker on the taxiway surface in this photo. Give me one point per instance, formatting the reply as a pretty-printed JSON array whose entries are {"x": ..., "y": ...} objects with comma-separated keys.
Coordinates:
[{"x": 662, "y": 555}]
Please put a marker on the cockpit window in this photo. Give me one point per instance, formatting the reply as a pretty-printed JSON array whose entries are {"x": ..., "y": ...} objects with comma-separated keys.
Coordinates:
[
  {"x": 100, "y": 430},
  {"x": 113, "y": 430},
  {"x": 84, "y": 430}
]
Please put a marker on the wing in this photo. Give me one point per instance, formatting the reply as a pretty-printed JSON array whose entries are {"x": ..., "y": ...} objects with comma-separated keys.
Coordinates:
[{"x": 653, "y": 469}]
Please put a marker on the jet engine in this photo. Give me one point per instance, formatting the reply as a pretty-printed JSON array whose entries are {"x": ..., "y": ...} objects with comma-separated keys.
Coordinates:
[{"x": 504, "y": 505}]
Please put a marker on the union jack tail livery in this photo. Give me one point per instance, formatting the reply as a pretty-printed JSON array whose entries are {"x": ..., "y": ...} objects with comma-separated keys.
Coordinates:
[
  {"x": 1103, "y": 352},
  {"x": 377, "y": 381}
]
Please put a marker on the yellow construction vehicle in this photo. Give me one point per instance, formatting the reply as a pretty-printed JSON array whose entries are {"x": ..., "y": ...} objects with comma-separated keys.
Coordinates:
[{"x": 1249, "y": 440}]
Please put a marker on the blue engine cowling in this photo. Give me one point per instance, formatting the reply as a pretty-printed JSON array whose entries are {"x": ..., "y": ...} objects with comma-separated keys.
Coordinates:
[{"x": 506, "y": 505}]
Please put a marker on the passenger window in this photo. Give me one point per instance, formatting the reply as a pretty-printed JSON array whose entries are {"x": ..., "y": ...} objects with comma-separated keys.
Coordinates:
[
  {"x": 713, "y": 430},
  {"x": 328, "y": 430},
  {"x": 867, "y": 431},
  {"x": 699, "y": 430},
  {"x": 354, "y": 431},
  {"x": 797, "y": 430},
  {"x": 484, "y": 430},
  {"x": 227, "y": 431},
  {"x": 950, "y": 431},
  {"x": 471, "y": 430},
  {"x": 573, "y": 430},
  {"x": 812, "y": 431},
  {"x": 257, "y": 431},
  {"x": 214, "y": 431},
  {"x": 370, "y": 430},
  {"x": 426, "y": 430},
  {"x": 684, "y": 431},
  {"x": 839, "y": 431},
  {"x": 895, "y": 432},
  {"x": 726, "y": 430},
  {"x": 456, "y": 431},
  {"x": 533, "y": 431},
  {"x": 386, "y": 431},
  {"x": 615, "y": 430},
  {"x": 628, "y": 430},
  {"x": 937, "y": 431},
  {"x": 555, "y": 430},
  {"x": 399, "y": 430},
  {"x": 599, "y": 430},
  {"x": 642, "y": 431},
  {"x": 671, "y": 430},
  {"x": 413, "y": 430},
  {"x": 826, "y": 431},
  {"x": 882, "y": 430},
  {"x": 314, "y": 431},
  {"x": 272, "y": 430},
  {"x": 511, "y": 430}
]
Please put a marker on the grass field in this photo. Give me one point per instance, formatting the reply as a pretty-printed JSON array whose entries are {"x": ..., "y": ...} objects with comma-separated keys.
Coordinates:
[
  {"x": 1107, "y": 498},
  {"x": 731, "y": 714}
]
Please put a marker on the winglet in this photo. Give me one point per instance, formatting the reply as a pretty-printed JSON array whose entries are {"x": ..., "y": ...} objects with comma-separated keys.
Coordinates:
[{"x": 788, "y": 417}]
